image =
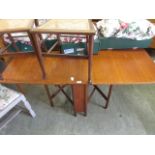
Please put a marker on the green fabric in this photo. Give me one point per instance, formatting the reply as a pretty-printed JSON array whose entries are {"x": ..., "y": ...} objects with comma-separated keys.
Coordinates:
[
  {"x": 21, "y": 46},
  {"x": 122, "y": 43},
  {"x": 75, "y": 46},
  {"x": 49, "y": 43},
  {"x": 99, "y": 44}
]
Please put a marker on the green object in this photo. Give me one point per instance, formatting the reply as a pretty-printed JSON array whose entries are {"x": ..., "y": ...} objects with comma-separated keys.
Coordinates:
[
  {"x": 21, "y": 46},
  {"x": 122, "y": 43},
  {"x": 79, "y": 48},
  {"x": 96, "y": 46},
  {"x": 49, "y": 43},
  {"x": 74, "y": 48}
]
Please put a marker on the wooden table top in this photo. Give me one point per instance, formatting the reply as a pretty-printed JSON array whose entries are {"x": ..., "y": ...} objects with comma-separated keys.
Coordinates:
[
  {"x": 9, "y": 25},
  {"x": 123, "y": 67},
  {"x": 80, "y": 26},
  {"x": 26, "y": 69},
  {"x": 109, "y": 67}
]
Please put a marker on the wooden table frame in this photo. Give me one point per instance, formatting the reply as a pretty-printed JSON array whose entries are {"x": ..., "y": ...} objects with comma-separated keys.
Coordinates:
[
  {"x": 79, "y": 95},
  {"x": 121, "y": 67},
  {"x": 20, "y": 73},
  {"x": 106, "y": 97}
]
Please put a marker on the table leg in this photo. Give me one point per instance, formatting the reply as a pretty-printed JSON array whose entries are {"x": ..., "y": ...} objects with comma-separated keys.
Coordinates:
[{"x": 80, "y": 98}]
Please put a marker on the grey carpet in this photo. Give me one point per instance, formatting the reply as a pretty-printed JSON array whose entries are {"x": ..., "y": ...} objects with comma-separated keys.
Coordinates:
[{"x": 131, "y": 111}]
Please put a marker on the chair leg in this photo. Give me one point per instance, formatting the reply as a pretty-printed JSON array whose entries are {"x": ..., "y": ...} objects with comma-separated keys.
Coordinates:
[{"x": 28, "y": 107}]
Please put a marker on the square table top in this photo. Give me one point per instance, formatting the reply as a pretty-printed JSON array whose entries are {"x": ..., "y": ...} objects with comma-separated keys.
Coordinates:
[
  {"x": 14, "y": 25},
  {"x": 73, "y": 26}
]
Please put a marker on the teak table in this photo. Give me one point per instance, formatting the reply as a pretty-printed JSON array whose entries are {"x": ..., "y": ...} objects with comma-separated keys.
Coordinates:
[
  {"x": 24, "y": 69},
  {"x": 115, "y": 67},
  {"x": 121, "y": 67}
]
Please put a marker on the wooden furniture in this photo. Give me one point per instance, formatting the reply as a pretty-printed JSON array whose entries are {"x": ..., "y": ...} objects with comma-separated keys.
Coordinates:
[
  {"x": 59, "y": 71},
  {"x": 8, "y": 100},
  {"x": 15, "y": 26},
  {"x": 110, "y": 67},
  {"x": 59, "y": 27},
  {"x": 122, "y": 67}
]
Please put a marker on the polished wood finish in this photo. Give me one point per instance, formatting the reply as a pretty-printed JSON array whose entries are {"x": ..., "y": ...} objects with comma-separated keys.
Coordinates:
[
  {"x": 123, "y": 67},
  {"x": 80, "y": 97},
  {"x": 25, "y": 69},
  {"x": 15, "y": 25},
  {"x": 75, "y": 26}
]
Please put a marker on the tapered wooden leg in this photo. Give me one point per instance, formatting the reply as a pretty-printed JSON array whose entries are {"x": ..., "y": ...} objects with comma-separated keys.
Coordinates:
[
  {"x": 35, "y": 43},
  {"x": 90, "y": 55},
  {"x": 80, "y": 98},
  {"x": 48, "y": 94},
  {"x": 108, "y": 97}
]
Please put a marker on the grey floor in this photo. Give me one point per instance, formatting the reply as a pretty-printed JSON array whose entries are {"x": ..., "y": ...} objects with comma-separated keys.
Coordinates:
[{"x": 131, "y": 111}]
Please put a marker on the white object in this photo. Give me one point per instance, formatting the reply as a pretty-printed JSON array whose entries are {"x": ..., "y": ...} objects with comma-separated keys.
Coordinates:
[
  {"x": 72, "y": 78},
  {"x": 10, "y": 98},
  {"x": 141, "y": 29},
  {"x": 78, "y": 82}
]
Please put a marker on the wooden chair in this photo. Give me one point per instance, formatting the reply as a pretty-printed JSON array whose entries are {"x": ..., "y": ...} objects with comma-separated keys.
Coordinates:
[
  {"x": 10, "y": 99},
  {"x": 10, "y": 27},
  {"x": 65, "y": 27}
]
